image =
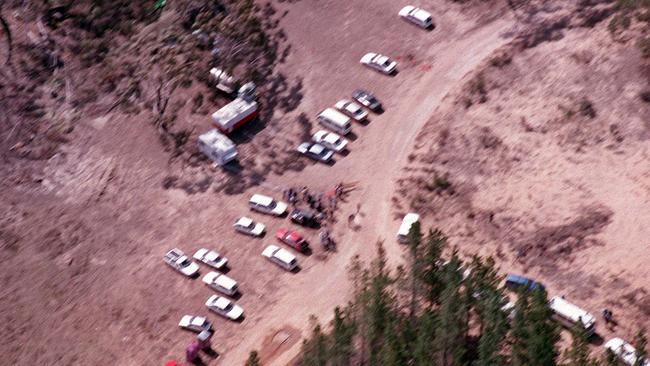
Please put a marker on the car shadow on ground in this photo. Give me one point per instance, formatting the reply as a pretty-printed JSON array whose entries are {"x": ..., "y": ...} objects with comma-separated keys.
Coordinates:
[
  {"x": 240, "y": 319},
  {"x": 296, "y": 270},
  {"x": 330, "y": 162},
  {"x": 352, "y": 136},
  {"x": 365, "y": 122},
  {"x": 596, "y": 339},
  {"x": 345, "y": 152},
  {"x": 308, "y": 252},
  {"x": 225, "y": 269},
  {"x": 379, "y": 111},
  {"x": 237, "y": 295}
]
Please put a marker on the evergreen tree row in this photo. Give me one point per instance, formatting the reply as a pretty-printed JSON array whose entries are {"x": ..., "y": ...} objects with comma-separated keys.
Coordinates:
[{"x": 442, "y": 313}]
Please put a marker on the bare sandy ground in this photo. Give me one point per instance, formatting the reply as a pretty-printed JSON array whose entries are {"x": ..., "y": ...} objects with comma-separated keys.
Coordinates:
[
  {"x": 531, "y": 173},
  {"x": 554, "y": 174}
]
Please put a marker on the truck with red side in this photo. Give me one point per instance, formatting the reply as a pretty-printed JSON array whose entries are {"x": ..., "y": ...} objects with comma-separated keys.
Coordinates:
[{"x": 235, "y": 114}]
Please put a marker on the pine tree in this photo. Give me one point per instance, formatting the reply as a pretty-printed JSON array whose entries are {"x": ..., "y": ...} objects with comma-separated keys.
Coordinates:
[
  {"x": 640, "y": 343},
  {"x": 315, "y": 349},
  {"x": 578, "y": 354},
  {"x": 379, "y": 302},
  {"x": 520, "y": 330},
  {"x": 253, "y": 359},
  {"x": 544, "y": 333},
  {"x": 343, "y": 330},
  {"x": 610, "y": 358},
  {"x": 423, "y": 349},
  {"x": 430, "y": 269},
  {"x": 494, "y": 330},
  {"x": 393, "y": 349},
  {"x": 415, "y": 238},
  {"x": 452, "y": 320}
]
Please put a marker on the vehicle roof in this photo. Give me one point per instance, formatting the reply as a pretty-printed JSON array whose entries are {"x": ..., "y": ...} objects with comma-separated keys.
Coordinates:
[
  {"x": 294, "y": 236},
  {"x": 407, "y": 222},
  {"x": 406, "y": 10},
  {"x": 421, "y": 15},
  {"x": 212, "y": 256},
  {"x": 221, "y": 302},
  {"x": 368, "y": 57},
  {"x": 209, "y": 277},
  {"x": 335, "y": 116},
  {"x": 317, "y": 149},
  {"x": 270, "y": 250},
  {"x": 332, "y": 138},
  {"x": 217, "y": 140},
  {"x": 285, "y": 256},
  {"x": 320, "y": 133},
  {"x": 571, "y": 311},
  {"x": 261, "y": 199},
  {"x": 342, "y": 103},
  {"x": 244, "y": 221},
  {"x": 225, "y": 282},
  {"x": 381, "y": 59},
  {"x": 233, "y": 109}
]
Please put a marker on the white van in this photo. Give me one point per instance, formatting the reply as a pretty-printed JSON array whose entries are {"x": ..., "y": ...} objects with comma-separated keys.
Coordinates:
[
  {"x": 335, "y": 121},
  {"x": 405, "y": 227},
  {"x": 569, "y": 315},
  {"x": 221, "y": 283}
]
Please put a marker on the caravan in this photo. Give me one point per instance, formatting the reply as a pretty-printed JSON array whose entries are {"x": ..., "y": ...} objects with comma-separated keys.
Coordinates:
[
  {"x": 217, "y": 147},
  {"x": 569, "y": 315}
]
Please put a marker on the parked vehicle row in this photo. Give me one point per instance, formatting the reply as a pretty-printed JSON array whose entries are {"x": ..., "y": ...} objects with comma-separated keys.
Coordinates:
[{"x": 339, "y": 121}]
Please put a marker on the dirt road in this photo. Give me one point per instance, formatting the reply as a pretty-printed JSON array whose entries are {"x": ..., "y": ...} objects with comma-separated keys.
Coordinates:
[{"x": 442, "y": 59}]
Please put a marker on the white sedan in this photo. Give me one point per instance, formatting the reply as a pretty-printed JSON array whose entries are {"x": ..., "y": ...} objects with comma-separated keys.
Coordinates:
[
  {"x": 315, "y": 151},
  {"x": 379, "y": 62},
  {"x": 330, "y": 140},
  {"x": 224, "y": 307},
  {"x": 351, "y": 109},
  {"x": 195, "y": 323},
  {"x": 211, "y": 258},
  {"x": 416, "y": 16},
  {"x": 246, "y": 225}
]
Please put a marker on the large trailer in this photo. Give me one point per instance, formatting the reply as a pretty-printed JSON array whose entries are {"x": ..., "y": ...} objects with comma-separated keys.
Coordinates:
[
  {"x": 217, "y": 147},
  {"x": 570, "y": 315},
  {"x": 234, "y": 114}
]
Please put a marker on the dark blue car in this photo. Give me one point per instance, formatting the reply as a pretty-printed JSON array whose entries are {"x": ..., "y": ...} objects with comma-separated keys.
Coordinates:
[{"x": 516, "y": 282}]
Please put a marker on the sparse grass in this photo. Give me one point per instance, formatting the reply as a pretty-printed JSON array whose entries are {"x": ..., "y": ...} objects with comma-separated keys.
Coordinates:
[
  {"x": 644, "y": 46},
  {"x": 438, "y": 183},
  {"x": 586, "y": 108}
]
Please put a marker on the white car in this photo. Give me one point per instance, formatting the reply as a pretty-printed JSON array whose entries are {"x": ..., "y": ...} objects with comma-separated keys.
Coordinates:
[
  {"x": 211, "y": 258},
  {"x": 416, "y": 16},
  {"x": 176, "y": 259},
  {"x": 315, "y": 151},
  {"x": 330, "y": 140},
  {"x": 247, "y": 226},
  {"x": 221, "y": 282},
  {"x": 379, "y": 62},
  {"x": 624, "y": 351},
  {"x": 267, "y": 205},
  {"x": 224, "y": 307},
  {"x": 351, "y": 109},
  {"x": 281, "y": 257},
  {"x": 195, "y": 323}
]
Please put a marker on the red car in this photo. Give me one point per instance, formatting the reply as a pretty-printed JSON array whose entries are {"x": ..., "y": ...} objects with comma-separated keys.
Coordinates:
[{"x": 292, "y": 238}]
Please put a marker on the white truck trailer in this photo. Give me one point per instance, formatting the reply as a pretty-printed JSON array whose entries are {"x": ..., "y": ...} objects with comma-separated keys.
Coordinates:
[
  {"x": 570, "y": 315},
  {"x": 217, "y": 147},
  {"x": 234, "y": 114}
]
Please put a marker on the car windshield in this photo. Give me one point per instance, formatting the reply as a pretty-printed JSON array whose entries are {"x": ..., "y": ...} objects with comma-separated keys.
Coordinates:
[
  {"x": 227, "y": 307},
  {"x": 272, "y": 204}
]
